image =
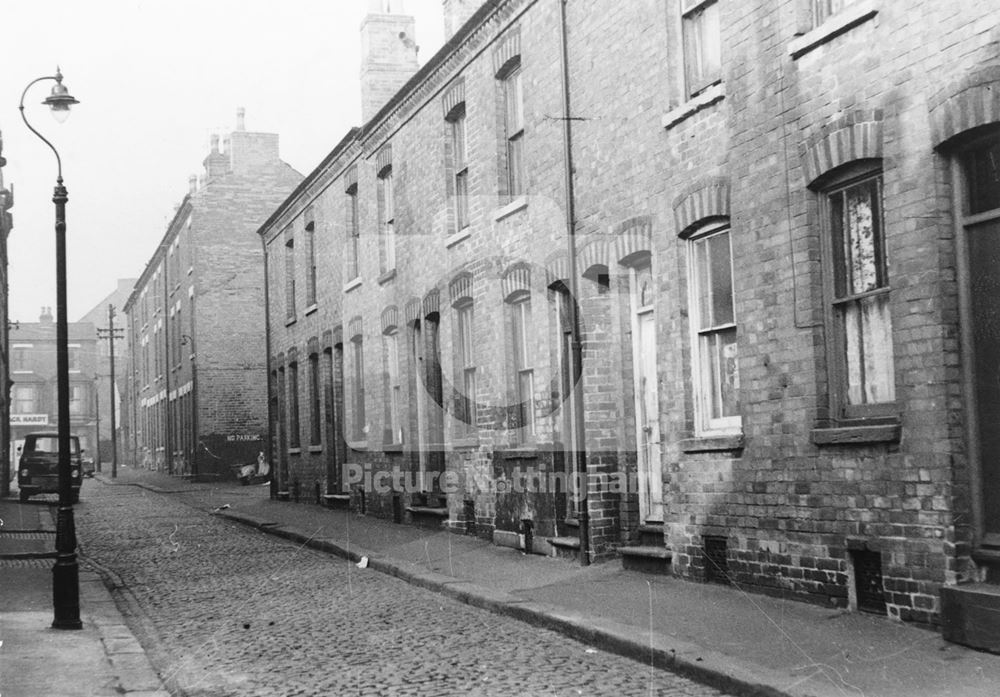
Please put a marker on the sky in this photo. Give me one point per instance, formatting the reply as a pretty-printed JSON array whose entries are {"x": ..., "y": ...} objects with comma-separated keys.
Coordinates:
[{"x": 156, "y": 79}]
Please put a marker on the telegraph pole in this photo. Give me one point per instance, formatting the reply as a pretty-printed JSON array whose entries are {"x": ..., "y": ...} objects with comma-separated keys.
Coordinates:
[{"x": 111, "y": 333}]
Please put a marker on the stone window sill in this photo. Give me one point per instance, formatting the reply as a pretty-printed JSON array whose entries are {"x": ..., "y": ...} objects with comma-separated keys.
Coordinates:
[
  {"x": 459, "y": 236},
  {"x": 311, "y": 309},
  {"x": 465, "y": 443},
  {"x": 352, "y": 284},
  {"x": 290, "y": 321},
  {"x": 357, "y": 444},
  {"x": 715, "y": 93},
  {"x": 315, "y": 448},
  {"x": 386, "y": 277},
  {"x": 856, "y": 435},
  {"x": 848, "y": 18},
  {"x": 392, "y": 448},
  {"x": 295, "y": 451},
  {"x": 518, "y": 204},
  {"x": 524, "y": 452},
  {"x": 729, "y": 442}
]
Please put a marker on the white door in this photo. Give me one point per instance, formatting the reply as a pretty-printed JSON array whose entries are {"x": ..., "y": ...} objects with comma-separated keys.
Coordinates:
[{"x": 647, "y": 405}]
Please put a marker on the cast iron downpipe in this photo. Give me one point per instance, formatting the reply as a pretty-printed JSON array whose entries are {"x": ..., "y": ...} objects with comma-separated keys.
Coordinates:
[
  {"x": 579, "y": 449},
  {"x": 271, "y": 388}
]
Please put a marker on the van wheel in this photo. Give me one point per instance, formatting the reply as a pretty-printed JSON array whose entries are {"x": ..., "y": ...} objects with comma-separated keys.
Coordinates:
[{"x": 23, "y": 496}]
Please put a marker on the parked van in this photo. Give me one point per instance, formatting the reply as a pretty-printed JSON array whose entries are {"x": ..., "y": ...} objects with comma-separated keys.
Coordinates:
[{"x": 38, "y": 469}]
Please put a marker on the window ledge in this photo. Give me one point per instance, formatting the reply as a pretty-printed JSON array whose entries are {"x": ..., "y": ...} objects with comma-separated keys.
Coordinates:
[
  {"x": 311, "y": 309},
  {"x": 848, "y": 18},
  {"x": 713, "y": 444},
  {"x": 462, "y": 234},
  {"x": 392, "y": 447},
  {"x": 715, "y": 93},
  {"x": 315, "y": 448},
  {"x": 290, "y": 321},
  {"x": 470, "y": 442},
  {"x": 295, "y": 451},
  {"x": 190, "y": 270},
  {"x": 357, "y": 444},
  {"x": 856, "y": 435},
  {"x": 518, "y": 204},
  {"x": 387, "y": 276},
  {"x": 352, "y": 284},
  {"x": 524, "y": 452}
]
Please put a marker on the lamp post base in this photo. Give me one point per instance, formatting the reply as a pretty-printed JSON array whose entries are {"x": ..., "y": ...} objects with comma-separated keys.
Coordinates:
[{"x": 66, "y": 573}]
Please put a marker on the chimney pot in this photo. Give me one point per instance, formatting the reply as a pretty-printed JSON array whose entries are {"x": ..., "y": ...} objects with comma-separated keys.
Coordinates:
[{"x": 240, "y": 114}]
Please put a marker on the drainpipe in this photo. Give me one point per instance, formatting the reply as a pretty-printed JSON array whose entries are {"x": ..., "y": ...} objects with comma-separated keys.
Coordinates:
[
  {"x": 168, "y": 450},
  {"x": 267, "y": 367},
  {"x": 579, "y": 453}
]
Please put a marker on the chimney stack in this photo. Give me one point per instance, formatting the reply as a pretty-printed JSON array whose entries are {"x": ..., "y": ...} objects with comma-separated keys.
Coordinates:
[
  {"x": 240, "y": 118},
  {"x": 216, "y": 164},
  {"x": 46, "y": 316},
  {"x": 192, "y": 184},
  {"x": 388, "y": 54},
  {"x": 456, "y": 13}
]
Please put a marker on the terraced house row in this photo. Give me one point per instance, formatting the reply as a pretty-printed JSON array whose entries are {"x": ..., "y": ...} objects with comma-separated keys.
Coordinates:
[{"x": 705, "y": 285}]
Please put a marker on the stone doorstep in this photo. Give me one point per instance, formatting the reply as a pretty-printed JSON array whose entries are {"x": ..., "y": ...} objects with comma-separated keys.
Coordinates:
[
  {"x": 564, "y": 547},
  {"x": 336, "y": 500},
  {"x": 970, "y": 615},
  {"x": 646, "y": 558}
]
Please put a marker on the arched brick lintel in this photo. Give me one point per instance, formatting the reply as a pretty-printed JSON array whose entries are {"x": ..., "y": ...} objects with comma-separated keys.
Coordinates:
[
  {"x": 704, "y": 201},
  {"x": 968, "y": 107},
  {"x": 856, "y": 137},
  {"x": 390, "y": 318}
]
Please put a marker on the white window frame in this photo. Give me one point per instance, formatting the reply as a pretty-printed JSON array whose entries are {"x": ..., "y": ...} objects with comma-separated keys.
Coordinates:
[
  {"x": 694, "y": 25},
  {"x": 465, "y": 355},
  {"x": 524, "y": 369},
  {"x": 394, "y": 387},
  {"x": 703, "y": 379}
]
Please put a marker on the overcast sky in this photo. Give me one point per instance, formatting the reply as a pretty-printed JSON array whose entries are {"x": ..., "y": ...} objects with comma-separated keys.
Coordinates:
[{"x": 155, "y": 80}]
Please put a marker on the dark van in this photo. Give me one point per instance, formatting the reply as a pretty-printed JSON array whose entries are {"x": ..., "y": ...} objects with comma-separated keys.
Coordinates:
[{"x": 38, "y": 470}]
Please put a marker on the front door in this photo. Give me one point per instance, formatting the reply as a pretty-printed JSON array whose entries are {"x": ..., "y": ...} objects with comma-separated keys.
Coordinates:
[
  {"x": 984, "y": 283},
  {"x": 647, "y": 411}
]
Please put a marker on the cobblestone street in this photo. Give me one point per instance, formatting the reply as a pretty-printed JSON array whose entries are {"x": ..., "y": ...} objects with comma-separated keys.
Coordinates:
[{"x": 237, "y": 612}]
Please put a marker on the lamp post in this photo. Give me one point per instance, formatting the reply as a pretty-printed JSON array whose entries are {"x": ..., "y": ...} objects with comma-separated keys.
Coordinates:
[
  {"x": 111, "y": 333},
  {"x": 65, "y": 572}
]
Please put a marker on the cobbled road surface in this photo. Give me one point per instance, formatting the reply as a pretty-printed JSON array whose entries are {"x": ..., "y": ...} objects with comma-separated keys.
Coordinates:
[{"x": 230, "y": 610}]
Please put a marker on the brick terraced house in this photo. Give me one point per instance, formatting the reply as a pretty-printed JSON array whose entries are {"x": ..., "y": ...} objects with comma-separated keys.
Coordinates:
[
  {"x": 33, "y": 381},
  {"x": 785, "y": 255},
  {"x": 196, "y": 399}
]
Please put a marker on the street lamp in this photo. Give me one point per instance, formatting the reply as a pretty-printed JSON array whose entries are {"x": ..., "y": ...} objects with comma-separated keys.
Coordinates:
[{"x": 65, "y": 573}]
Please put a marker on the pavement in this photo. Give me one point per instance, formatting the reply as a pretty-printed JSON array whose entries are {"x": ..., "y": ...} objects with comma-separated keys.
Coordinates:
[
  {"x": 741, "y": 643},
  {"x": 102, "y": 658}
]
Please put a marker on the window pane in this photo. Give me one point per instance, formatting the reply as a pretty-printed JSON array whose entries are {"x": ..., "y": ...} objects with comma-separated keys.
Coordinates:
[
  {"x": 462, "y": 199},
  {"x": 521, "y": 328},
  {"x": 982, "y": 172},
  {"x": 525, "y": 395},
  {"x": 702, "y": 275},
  {"x": 862, "y": 241},
  {"x": 515, "y": 103},
  {"x": 458, "y": 141},
  {"x": 868, "y": 344},
  {"x": 515, "y": 165},
  {"x": 465, "y": 335},
  {"x": 702, "y": 48},
  {"x": 719, "y": 356},
  {"x": 721, "y": 279},
  {"x": 469, "y": 385}
]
